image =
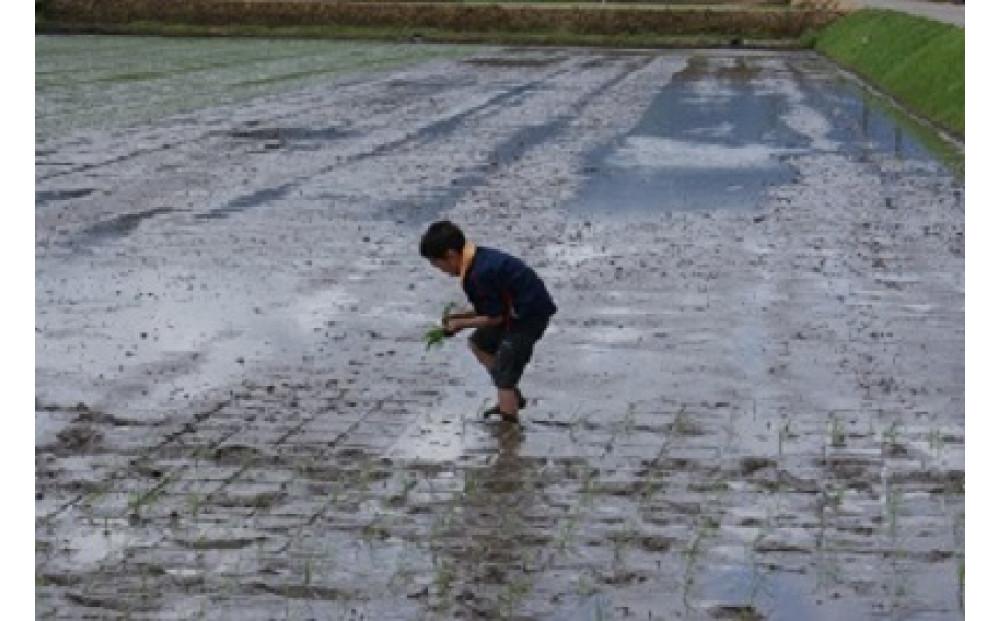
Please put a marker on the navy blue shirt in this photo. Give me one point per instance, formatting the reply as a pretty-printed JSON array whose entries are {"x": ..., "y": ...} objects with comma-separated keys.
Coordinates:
[{"x": 499, "y": 284}]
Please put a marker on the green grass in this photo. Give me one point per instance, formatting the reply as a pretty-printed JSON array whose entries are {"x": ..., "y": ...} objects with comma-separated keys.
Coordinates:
[{"x": 919, "y": 62}]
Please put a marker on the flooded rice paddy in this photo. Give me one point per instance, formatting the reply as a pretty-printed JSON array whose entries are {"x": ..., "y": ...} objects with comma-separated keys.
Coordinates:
[{"x": 750, "y": 405}]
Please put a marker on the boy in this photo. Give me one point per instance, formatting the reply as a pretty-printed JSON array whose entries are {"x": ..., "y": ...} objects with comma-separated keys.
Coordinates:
[{"x": 511, "y": 308}]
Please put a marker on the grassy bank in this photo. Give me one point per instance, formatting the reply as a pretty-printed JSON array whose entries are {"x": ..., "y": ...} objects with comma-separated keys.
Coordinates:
[
  {"x": 920, "y": 63},
  {"x": 427, "y": 35},
  {"x": 564, "y": 25}
]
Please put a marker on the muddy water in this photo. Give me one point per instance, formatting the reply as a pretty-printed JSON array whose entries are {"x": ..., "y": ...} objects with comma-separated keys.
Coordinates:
[
  {"x": 738, "y": 413},
  {"x": 720, "y": 133}
]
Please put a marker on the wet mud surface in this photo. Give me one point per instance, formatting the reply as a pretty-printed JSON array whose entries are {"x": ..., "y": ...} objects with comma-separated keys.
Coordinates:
[{"x": 748, "y": 408}]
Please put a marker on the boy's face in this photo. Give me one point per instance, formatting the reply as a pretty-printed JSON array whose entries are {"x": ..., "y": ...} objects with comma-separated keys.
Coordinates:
[{"x": 450, "y": 263}]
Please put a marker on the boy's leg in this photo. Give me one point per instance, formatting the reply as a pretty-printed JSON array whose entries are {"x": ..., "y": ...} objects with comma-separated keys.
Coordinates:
[
  {"x": 488, "y": 361},
  {"x": 485, "y": 358},
  {"x": 513, "y": 354},
  {"x": 508, "y": 399}
]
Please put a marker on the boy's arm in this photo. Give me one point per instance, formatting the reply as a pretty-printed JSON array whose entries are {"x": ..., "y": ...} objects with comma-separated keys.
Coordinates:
[
  {"x": 492, "y": 311},
  {"x": 454, "y": 324},
  {"x": 466, "y": 314}
]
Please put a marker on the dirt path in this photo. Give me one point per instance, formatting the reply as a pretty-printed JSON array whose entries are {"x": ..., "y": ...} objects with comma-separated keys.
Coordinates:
[
  {"x": 755, "y": 410},
  {"x": 939, "y": 11}
]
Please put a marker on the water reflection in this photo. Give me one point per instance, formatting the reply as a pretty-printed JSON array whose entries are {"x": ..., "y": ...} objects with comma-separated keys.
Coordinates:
[{"x": 722, "y": 130}]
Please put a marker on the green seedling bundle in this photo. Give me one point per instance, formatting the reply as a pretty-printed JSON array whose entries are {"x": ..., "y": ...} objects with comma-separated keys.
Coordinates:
[{"x": 435, "y": 335}]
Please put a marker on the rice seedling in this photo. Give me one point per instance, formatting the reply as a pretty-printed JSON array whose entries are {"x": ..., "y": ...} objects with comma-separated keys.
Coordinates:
[
  {"x": 961, "y": 581},
  {"x": 373, "y": 530},
  {"x": 94, "y": 496},
  {"x": 574, "y": 424},
  {"x": 587, "y": 486},
  {"x": 513, "y": 593},
  {"x": 757, "y": 582},
  {"x": 444, "y": 577},
  {"x": 442, "y": 523},
  {"x": 585, "y": 586},
  {"x": 307, "y": 572},
  {"x": 935, "y": 442},
  {"x": 649, "y": 483},
  {"x": 729, "y": 431},
  {"x": 400, "y": 497},
  {"x": 838, "y": 437},
  {"x": 891, "y": 445},
  {"x": 411, "y": 482},
  {"x": 138, "y": 500},
  {"x": 365, "y": 473},
  {"x": 784, "y": 432},
  {"x": 143, "y": 584},
  {"x": 620, "y": 540},
  {"x": 435, "y": 335},
  {"x": 471, "y": 484},
  {"x": 891, "y": 434},
  {"x": 828, "y": 570},
  {"x": 893, "y": 503},
  {"x": 566, "y": 530},
  {"x": 837, "y": 498},
  {"x": 682, "y": 425},
  {"x": 692, "y": 554},
  {"x": 629, "y": 421}
]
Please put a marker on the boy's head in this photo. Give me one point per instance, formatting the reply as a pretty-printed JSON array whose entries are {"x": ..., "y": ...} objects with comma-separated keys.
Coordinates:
[{"x": 442, "y": 245}]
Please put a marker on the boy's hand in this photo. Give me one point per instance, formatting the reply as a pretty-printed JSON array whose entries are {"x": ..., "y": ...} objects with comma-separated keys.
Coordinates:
[{"x": 451, "y": 325}]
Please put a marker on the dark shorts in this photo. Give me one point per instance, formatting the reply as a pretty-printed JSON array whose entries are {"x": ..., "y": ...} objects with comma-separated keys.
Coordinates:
[{"x": 512, "y": 347}]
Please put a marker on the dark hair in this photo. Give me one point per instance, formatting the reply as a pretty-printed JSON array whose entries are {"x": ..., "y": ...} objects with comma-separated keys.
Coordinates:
[{"x": 441, "y": 237}]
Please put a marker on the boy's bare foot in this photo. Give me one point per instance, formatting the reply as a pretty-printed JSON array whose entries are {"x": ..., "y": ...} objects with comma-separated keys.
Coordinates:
[
  {"x": 506, "y": 417},
  {"x": 521, "y": 403}
]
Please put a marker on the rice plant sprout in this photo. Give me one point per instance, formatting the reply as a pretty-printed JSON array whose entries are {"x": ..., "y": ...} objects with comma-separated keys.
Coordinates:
[{"x": 435, "y": 335}]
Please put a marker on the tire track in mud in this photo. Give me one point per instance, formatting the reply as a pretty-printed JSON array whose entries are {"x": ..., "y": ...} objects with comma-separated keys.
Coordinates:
[
  {"x": 436, "y": 130},
  {"x": 509, "y": 150},
  {"x": 287, "y": 110},
  {"x": 439, "y": 129}
]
